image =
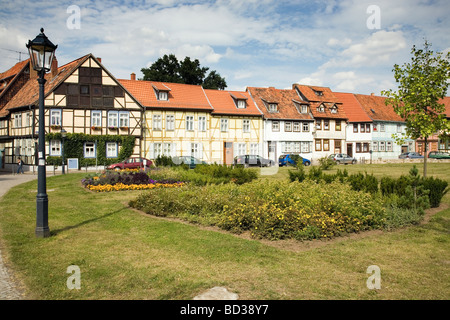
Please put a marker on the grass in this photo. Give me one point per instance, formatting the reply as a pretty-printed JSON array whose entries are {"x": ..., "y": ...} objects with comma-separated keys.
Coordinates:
[{"x": 124, "y": 254}]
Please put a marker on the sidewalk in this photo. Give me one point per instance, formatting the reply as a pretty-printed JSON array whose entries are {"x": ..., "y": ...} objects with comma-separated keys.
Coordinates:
[{"x": 8, "y": 289}]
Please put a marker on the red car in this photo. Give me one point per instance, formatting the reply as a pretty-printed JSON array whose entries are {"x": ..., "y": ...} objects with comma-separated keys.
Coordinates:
[{"x": 130, "y": 163}]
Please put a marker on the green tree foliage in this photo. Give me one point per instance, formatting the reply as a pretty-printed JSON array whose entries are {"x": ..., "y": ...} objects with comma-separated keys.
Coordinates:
[
  {"x": 169, "y": 69},
  {"x": 421, "y": 85}
]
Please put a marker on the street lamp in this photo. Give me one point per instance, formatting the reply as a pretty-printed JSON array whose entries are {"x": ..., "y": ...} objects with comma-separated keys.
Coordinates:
[
  {"x": 41, "y": 55},
  {"x": 63, "y": 135}
]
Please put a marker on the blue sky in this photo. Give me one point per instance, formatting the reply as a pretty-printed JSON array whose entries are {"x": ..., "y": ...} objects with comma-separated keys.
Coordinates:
[{"x": 337, "y": 44}]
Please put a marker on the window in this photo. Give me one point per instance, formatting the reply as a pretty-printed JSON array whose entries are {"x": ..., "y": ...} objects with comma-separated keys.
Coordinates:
[
  {"x": 169, "y": 149},
  {"x": 241, "y": 148},
  {"x": 326, "y": 124},
  {"x": 321, "y": 108},
  {"x": 96, "y": 118},
  {"x": 318, "y": 124},
  {"x": 84, "y": 89},
  {"x": 196, "y": 150},
  {"x": 287, "y": 126},
  {"x": 113, "y": 119},
  {"x": 382, "y": 146},
  {"x": 273, "y": 107},
  {"x": 190, "y": 123},
  {"x": 124, "y": 119},
  {"x": 318, "y": 93},
  {"x": 202, "y": 123},
  {"x": 368, "y": 127},
  {"x": 241, "y": 104},
  {"x": 365, "y": 147},
  {"x": 170, "y": 122},
  {"x": 374, "y": 127},
  {"x": 381, "y": 128},
  {"x": 157, "y": 124},
  {"x": 305, "y": 126},
  {"x": 18, "y": 120},
  {"x": 55, "y": 117},
  {"x": 224, "y": 125},
  {"x": 275, "y": 126},
  {"x": 55, "y": 147},
  {"x": 111, "y": 149},
  {"x": 389, "y": 146},
  {"x": 363, "y": 127},
  {"x": 29, "y": 116},
  {"x": 358, "y": 147},
  {"x": 399, "y": 128},
  {"x": 296, "y": 126},
  {"x": 304, "y": 108},
  {"x": 375, "y": 146},
  {"x": 338, "y": 125},
  {"x": 89, "y": 150},
  {"x": 306, "y": 146},
  {"x": 326, "y": 145},
  {"x": 333, "y": 110},
  {"x": 318, "y": 145},
  {"x": 163, "y": 95},
  {"x": 355, "y": 128},
  {"x": 246, "y": 125},
  {"x": 254, "y": 148},
  {"x": 157, "y": 150},
  {"x": 337, "y": 146}
]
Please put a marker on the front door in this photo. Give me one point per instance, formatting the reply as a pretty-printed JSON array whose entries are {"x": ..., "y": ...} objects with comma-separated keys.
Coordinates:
[
  {"x": 350, "y": 149},
  {"x": 228, "y": 152},
  {"x": 272, "y": 150}
]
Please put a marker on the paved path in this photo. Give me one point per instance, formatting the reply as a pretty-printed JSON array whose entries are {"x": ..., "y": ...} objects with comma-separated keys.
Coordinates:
[{"x": 8, "y": 288}]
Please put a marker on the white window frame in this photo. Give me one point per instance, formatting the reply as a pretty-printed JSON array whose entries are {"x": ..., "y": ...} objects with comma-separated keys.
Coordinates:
[
  {"x": 382, "y": 146},
  {"x": 113, "y": 119},
  {"x": 389, "y": 146},
  {"x": 55, "y": 148},
  {"x": 246, "y": 125},
  {"x": 170, "y": 122},
  {"x": 202, "y": 123},
  {"x": 275, "y": 126},
  {"x": 375, "y": 146},
  {"x": 96, "y": 118},
  {"x": 189, "y": 123},
  {"x": 241, "y": 149},
  {"x": 111, "y": 150},
  {"x": 89, "y": 150},
  {"x": 157, "y": 150},
  {"x": 273, "y": 107},
  {"x": 241, "y": 104},
  {"x": 163, "y": 95},
  {"x": 55, "y": 117},
  {"x": 224, "y": 125},
  {"x": 305, "y": 126},
  {"x": 254, "y": 149},
  {"x": 196, "y": 150},
  {"x": 157, "y": 122},
  {"x": 304, "y": 108},
  {"x": 124, "y": 119},
  {"x": 18, "y": 120}
]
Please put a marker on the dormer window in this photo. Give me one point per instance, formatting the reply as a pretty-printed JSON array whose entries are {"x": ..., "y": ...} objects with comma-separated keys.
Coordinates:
[
  {"x": 318, "y": 93},
  {"x": 334, "y": 109},
  {"x": 304, "y": 108},
  {"x": 163, "y": 95},
  {"x": 321, "y": 108},
  {"x": 241, "y": 104},
  {"x": 273, "y": 107}
]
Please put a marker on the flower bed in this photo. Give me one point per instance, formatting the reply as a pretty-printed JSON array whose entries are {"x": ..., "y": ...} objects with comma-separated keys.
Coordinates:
[{"x": 126, "y": 180}]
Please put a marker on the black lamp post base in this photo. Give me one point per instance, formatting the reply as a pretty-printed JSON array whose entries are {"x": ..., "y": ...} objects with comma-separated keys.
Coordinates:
[{"x": 42, "y": 232}]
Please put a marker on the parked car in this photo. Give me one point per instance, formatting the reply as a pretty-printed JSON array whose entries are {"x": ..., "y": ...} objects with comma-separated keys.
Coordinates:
[
  {"x": 343, "y": 158},
  {"x": 439, "y": 155},
  {"x": 287, "y": 159},
  {"x": 410, "y": 155},
  {"x": 191, "y": 161},
  {"x": 250, "y": 160},
  {"x": 130, "y": 163}
]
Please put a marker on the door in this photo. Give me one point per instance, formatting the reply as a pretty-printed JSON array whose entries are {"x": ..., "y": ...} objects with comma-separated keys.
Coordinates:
[
  {"x": 1, "y": 158},
  {"x": 228, "y": 152},
  {"x": 272, "y": 150},
  {"x": 404, "y": 149},
  {"x": 350, "y": 149}
]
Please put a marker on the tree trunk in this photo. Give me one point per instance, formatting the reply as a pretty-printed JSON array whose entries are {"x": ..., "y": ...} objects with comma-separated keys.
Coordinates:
[{"x": 425, "y": 156}]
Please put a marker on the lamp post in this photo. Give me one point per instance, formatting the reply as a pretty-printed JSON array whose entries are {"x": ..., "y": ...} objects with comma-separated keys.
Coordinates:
[
  {"x": 63, "y": 136},
  {"x": 41, "y": 55}
]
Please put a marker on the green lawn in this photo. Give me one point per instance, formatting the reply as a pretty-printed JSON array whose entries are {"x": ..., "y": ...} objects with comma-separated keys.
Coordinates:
[{"x": 124, "y": 254}]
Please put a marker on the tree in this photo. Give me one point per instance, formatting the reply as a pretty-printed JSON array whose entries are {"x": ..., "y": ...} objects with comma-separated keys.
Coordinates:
[
  {"x": 421, "y": 84},
  {"x": 169, "y": 69}
]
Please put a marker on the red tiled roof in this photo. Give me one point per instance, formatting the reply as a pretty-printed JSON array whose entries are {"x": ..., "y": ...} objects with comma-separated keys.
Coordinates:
[
  {"x": 352, "y": 108},
  {"x": 446, "y": 102},
  {"x": 14, "y": 70},
  {"x": 181, "y": 96},
  {"x": 285, "y": 99},
  {"x": 321, "y": 96},
  {"x": 223, "y": 102},
  {"x": 29, "y": 93},
  {"x": 375, "y": 108}
]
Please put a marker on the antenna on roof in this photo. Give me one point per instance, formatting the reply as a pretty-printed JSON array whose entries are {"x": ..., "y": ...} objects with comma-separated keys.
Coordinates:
[{"x": 19, "y": 52}]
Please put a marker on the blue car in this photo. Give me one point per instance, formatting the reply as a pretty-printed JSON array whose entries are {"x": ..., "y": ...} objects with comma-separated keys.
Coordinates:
[{"x": 286, "y": 159}]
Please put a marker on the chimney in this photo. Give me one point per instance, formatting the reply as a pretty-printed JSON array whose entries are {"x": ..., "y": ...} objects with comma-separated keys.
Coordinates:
[
  {"x": 54, "y": 67},
  {"x": 133, "y": 76},
  {"x": 99, "y": 59},
  {"x": 33, "y": 73},
  {"x": 372, "y": 94}
]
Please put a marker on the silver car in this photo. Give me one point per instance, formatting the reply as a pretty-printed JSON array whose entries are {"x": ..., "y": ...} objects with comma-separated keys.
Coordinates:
[{"x": 343, "y": 158}]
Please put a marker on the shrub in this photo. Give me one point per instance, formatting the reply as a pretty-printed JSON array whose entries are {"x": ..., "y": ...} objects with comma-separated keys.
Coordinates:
[
  {"x": 437, "y": 189},
  {"x": 326, "y": 163},
  {"x": 164, "y": 161},
  {"x": 297, "y": 175}
]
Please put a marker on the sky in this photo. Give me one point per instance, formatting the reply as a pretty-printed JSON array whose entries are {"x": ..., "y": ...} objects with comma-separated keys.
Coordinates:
[{"x": 348, "y": 46}]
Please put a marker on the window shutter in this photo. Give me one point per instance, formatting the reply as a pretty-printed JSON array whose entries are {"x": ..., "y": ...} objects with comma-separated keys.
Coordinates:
[
  {"x": 151, "y": 153},
  {"x": 200, "y": 151},
  {"x": 174, "y": 150}
]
